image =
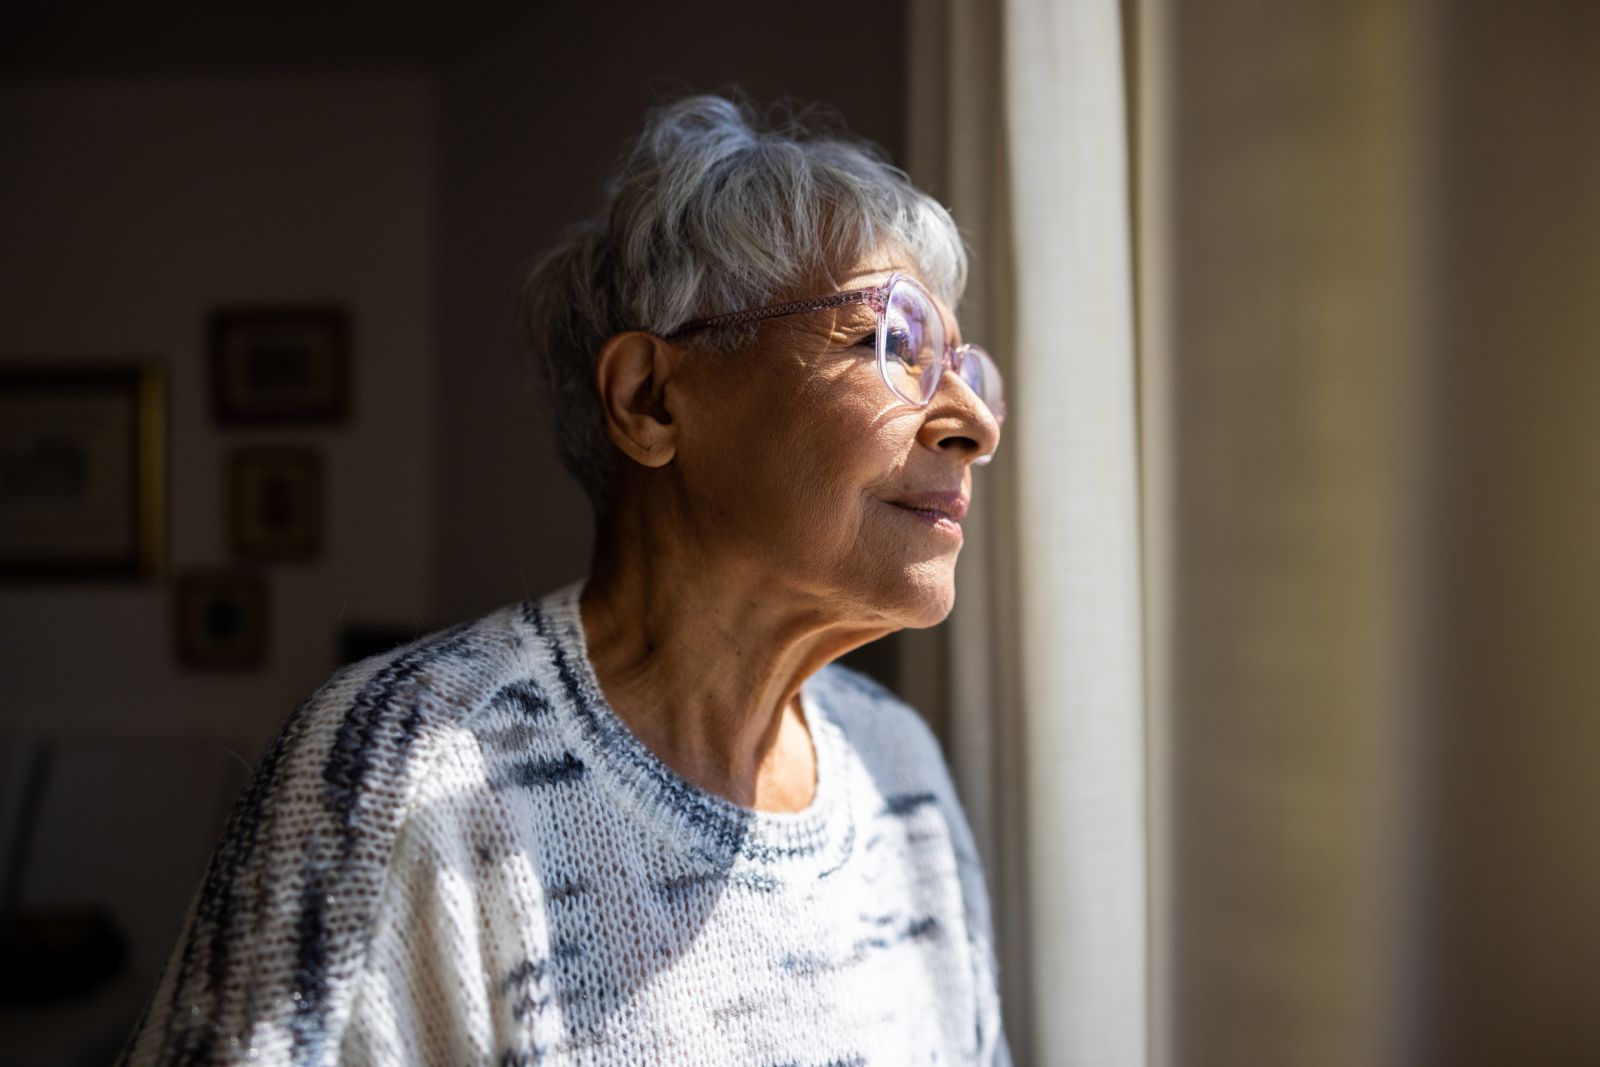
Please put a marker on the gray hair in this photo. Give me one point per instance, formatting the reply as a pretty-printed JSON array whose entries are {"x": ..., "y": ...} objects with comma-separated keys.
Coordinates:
[{"x": 712, "y": 211}]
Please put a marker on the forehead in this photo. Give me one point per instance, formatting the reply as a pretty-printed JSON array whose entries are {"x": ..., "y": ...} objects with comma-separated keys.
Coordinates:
[{"x": 872, "y": 269}]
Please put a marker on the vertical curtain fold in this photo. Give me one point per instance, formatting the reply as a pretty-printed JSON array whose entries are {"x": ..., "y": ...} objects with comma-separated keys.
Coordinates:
[
  {"x": 1077, "y": 528},
  {"x": 1019, "y": 124}
]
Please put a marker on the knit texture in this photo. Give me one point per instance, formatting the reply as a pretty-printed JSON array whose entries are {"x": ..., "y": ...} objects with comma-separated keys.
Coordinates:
[{"x": 457, "y": 853}]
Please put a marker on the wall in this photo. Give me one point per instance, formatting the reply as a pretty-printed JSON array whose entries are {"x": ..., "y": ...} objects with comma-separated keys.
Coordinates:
[{"x": 127, "y": 209}]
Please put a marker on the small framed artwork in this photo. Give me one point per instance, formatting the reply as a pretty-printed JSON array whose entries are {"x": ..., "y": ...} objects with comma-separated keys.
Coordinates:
[
  {"x": 279, "y": 365},
  {"x": 82, "y": 470},
  {"x": 275, "y": 502},
  {"x": 220, "y": 619}
]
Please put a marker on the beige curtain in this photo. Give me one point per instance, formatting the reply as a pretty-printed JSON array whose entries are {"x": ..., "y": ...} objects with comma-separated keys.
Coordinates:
[
  {"x": 1020, "y": 125},
  {"x": 1272, "y": 694},
  {"x": 1184, "y": 730},
  {"x": 1178, "y": 686},
  {"x": 1177, "y": 690},
  {"x": 1285, "y": 318}
]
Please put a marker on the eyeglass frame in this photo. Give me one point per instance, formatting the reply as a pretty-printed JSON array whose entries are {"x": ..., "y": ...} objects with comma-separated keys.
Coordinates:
[{"x": 877, "y": 298}]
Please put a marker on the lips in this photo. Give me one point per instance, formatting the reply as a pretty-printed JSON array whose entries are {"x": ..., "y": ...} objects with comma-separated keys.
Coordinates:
[{"x": 949, "y": 505}]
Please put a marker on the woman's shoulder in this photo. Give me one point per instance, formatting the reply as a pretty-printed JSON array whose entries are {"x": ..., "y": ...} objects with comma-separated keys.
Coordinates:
[
  {"x": 865, "y": 701},
  {"x": 912, "y": 782},
  {"x": 353, "y": 753},
  {"x": 910, "y": 775},
  {"x": 280, "y": 922},
  {"x": 382, "y": 714},
  {"x": 887, "y": 734}
]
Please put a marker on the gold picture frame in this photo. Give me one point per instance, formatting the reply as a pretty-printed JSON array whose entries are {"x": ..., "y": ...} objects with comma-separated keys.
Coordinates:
[{"x": 83, "y": 457}]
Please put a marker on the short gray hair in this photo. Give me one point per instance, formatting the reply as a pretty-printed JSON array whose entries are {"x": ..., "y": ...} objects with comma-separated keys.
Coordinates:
[{"x": 711, "y": 210}]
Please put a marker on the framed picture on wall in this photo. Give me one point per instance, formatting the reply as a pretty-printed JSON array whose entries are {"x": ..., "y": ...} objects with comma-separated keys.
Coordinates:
[
  {"x": 220, "y": 619},
  {"x": 82, "y": 469},
  {"x": 279, "y": 365},
  {"x": 275, "y": 502}
]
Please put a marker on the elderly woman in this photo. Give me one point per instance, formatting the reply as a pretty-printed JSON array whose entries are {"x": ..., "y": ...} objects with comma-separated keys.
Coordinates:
[{"x": 644, "y": 819}]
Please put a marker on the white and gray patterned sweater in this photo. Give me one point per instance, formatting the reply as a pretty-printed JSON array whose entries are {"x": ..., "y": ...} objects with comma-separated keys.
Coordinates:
[{"x": 456, "y": 853}]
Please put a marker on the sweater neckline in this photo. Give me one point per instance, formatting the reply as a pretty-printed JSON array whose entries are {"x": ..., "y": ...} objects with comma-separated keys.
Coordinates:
[{"x": 712, "y": 829}]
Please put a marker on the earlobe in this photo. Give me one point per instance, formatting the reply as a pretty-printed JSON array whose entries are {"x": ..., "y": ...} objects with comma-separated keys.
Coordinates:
[{"x": 631, "y": 373}]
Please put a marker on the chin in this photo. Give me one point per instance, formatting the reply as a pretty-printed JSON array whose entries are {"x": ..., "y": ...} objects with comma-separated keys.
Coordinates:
[{"x": 925, "y": 599}]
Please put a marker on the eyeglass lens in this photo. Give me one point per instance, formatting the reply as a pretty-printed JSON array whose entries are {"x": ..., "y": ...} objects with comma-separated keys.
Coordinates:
[
  {"x": 914, "y": 342},
  {"x": 914, "y": 338}
]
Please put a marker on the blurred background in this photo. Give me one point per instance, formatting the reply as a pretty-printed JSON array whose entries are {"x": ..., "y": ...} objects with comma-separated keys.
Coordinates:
[{"x": 1272, "y": 691}]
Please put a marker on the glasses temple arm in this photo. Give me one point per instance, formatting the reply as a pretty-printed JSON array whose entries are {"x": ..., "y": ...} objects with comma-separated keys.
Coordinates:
[{"x": 875, "y": 296}]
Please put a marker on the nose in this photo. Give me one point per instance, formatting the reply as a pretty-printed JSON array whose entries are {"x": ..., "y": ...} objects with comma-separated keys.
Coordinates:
[{"x": 957, "y": 420}]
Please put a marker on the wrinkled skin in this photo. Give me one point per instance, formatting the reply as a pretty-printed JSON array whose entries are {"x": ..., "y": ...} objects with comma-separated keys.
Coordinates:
[{"x": 755, "y": 540}]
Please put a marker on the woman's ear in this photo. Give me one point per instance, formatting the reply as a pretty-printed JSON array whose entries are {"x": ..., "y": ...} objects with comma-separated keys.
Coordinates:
[{"x": 631, "y": 373}]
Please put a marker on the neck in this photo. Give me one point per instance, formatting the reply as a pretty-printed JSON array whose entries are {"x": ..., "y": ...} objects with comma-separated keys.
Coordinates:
[{"x": 703, "y": 658}]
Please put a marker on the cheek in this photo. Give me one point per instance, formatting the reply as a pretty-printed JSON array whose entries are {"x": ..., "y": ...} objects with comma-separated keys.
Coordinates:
[
  {"x": 849, "y": 449},
  {"x": 805, "y": 475},
  {"x": 842, "y": 472}
]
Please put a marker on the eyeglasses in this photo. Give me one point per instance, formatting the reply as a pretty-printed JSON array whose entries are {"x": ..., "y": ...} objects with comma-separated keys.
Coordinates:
[{"x": 912, "y": 349}]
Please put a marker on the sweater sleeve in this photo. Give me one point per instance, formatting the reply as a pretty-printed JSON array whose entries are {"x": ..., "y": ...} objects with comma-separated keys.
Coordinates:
[
  {"x": 266, "y": 966},
  {"x": 261, "y": 972},
  {"x": 423, "y": 995}
]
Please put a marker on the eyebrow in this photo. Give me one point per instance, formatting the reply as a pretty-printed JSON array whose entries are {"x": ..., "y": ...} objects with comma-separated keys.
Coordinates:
[{"x": 854, "y": 318}]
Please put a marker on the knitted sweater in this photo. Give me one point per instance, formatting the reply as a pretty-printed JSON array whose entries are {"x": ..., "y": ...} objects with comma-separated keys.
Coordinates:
[{"x": 457, "y": 853}]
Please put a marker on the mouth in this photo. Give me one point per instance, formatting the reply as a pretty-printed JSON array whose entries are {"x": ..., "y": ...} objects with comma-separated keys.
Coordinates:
[{"x": 942, "y": 511}]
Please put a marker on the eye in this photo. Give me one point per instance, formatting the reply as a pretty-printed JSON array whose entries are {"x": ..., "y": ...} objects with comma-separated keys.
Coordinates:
[
  {"x": 900, "y": 348},
  {"x": 869, "y": 341}
]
